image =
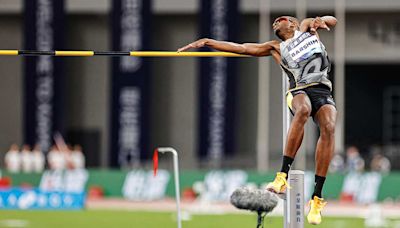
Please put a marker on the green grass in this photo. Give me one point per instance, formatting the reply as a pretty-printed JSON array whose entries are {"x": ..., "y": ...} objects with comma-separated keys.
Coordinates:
[{"x": 133, "y": 219}]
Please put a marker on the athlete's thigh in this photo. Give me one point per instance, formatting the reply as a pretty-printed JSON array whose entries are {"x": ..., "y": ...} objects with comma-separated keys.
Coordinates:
[
  {"x": 326, "y": 115},
  {"x": 301, "y": 102}
]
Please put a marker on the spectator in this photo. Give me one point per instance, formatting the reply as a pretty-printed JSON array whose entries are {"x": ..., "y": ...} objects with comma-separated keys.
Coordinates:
[
  {"x": 37, "y": 159},
  {"x": 355, "y": 163},
  {"x": 56, "y": 159},
  {"x": 68, "y": 156},
  {"x": 337, "y": 164},
  {"x": 77, "y": 157},
  {"x": 380, "y": 163},
  {"x": 26, "y": 159},
  {"x": 13, "y": 159}
]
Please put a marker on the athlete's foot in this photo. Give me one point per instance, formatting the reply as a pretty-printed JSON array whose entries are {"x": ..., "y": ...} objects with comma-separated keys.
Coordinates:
[
  {"x": 316, "y": 205},
  {"x": 279, "y": 185}
]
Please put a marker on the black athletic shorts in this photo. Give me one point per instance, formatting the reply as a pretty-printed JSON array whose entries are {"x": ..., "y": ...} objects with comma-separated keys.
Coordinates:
[{"x": 319, "y": 95}]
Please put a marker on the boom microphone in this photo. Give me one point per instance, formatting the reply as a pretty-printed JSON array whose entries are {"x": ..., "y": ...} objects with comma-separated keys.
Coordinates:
[{"x": 257, "y": 200}]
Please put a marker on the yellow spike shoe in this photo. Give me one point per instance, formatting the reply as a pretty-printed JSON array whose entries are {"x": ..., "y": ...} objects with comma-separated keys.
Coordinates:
[
  {"x": 316, "y": 205},
  {"x": 279, "y": 185}
]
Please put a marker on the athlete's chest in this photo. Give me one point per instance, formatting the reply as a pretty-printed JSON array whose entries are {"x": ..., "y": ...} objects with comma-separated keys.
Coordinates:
[{"x": 299, "y": 49}]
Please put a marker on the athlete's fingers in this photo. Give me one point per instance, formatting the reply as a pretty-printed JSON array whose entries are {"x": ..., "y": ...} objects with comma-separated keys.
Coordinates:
[
  {"x": 187, "y": 47},
  {"x": 312, "y": 25},
  {"x": 196, "y": 44},
  {"x": 184, "y": 48},
  {"x": 325, "y": 26},
  {"x": 199, "y": 43},
  {"x": 316, "y": 24}
]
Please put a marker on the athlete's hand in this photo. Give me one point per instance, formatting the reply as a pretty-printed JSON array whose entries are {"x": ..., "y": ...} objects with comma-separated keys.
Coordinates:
[
  {"x": 318, "y": 23},
  {"x": 197, "y": 44}
]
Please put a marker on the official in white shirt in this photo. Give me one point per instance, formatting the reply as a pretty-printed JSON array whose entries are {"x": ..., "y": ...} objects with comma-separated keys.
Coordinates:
[
  {"x": 13, "y": 159},
  {"x": 37, "y": 159}
]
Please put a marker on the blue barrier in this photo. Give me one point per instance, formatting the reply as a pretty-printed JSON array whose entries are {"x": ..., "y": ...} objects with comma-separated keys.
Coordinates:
[{"x": 31, "y": 199}]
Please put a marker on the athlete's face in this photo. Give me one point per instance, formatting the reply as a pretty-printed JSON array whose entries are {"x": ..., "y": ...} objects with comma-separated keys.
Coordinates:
[
  {"x": 280, "y": 22},
  {"x": 283, "y": 24}
]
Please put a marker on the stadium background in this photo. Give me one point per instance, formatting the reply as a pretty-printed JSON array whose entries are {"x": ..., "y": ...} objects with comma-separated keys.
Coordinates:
[{"x": 372, "y": 40}]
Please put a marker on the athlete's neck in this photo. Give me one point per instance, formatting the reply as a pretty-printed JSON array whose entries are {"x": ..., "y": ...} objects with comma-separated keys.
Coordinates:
[{"x": 288, "y": 35}]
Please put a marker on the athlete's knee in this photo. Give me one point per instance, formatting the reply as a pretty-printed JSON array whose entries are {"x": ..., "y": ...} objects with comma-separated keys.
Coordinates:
[
  {"x": 327, "y": 129},
  {"x": 303, "y": 112}
]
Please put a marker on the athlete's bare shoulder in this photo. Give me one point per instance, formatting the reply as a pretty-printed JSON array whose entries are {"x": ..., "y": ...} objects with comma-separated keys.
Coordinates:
[
  {"x": 276, "y": 52},
  {"x": 275, "y": 44}
]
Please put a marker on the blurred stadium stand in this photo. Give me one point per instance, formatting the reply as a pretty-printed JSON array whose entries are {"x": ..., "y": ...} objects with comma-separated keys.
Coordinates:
[{"x": 372, "y": 63}]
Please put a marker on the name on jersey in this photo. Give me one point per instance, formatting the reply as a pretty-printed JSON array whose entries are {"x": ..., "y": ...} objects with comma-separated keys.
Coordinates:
[{"x": 303, "y": 46}]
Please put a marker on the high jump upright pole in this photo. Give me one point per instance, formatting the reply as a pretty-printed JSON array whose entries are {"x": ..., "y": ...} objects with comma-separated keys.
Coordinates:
[
  {"x": 263, "y": 113},
  {"x": 301, "y": 13},
  {"x": 293, "y": 208},
  {"x": 340, "y": 77}
]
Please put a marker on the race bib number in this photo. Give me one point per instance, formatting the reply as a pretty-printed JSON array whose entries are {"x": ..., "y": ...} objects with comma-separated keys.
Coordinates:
[{"x": 304, "y": 46}]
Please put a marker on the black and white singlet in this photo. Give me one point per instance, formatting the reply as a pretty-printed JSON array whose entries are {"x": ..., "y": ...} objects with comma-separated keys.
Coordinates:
[{"x": 305, "y": 61}]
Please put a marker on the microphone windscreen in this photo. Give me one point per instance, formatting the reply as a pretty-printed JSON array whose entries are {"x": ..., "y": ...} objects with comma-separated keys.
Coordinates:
[{"x": 258, "y": 200}]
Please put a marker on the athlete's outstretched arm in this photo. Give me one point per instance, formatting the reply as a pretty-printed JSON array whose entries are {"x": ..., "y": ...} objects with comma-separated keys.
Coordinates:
[
  {"x": 253, "y": 49},
  {"x": 312, "y": 24}
]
